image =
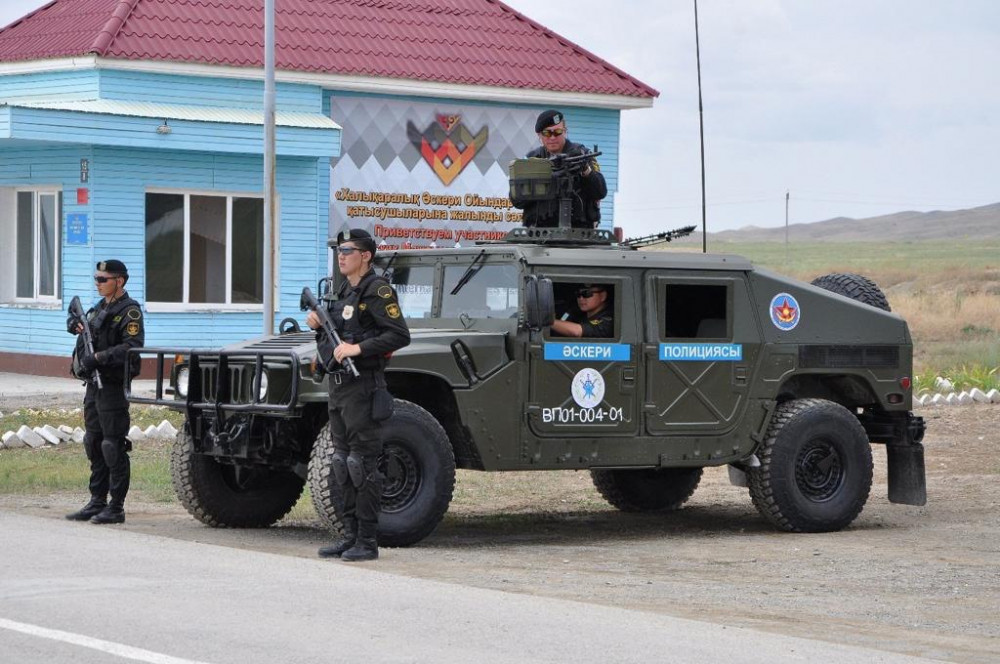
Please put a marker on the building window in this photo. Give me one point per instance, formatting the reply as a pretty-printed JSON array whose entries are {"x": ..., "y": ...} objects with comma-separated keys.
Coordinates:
[
  {"x": 38, "y": 234},
  {"x": 204, "y": 249}
]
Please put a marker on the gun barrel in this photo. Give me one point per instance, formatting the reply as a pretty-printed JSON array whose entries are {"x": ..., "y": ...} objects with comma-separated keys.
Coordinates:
[{"x": 76, "y": 308}]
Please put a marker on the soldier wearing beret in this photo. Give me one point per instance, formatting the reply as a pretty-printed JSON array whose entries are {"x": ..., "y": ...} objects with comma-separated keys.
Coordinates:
[
  {"x": 368, "y": 319},
  {"x": 116, "y": 325},
  {"x": 589, "y": 187}
]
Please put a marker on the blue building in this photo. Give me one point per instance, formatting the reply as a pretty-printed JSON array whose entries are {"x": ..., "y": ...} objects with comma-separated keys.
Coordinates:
[{"x": 134, "y": 130}]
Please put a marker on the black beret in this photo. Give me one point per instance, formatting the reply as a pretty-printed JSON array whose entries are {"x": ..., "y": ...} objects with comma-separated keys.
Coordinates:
[
  {"x": 112, "y": 266},
  {"x": 547, "y": 119},
  {"x": 359, "y": 236}
]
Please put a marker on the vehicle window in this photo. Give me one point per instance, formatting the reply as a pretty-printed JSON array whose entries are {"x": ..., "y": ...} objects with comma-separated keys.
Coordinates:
[
  {"x": 570, "y": 307},
  {"x": 415, "y": 288},
  {"x": 695, "y": 311},
  {"x": 491, "y": 293}
]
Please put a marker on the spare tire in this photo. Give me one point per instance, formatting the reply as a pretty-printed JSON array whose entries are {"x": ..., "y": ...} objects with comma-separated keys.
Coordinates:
[{"x": 855, "y": 287}]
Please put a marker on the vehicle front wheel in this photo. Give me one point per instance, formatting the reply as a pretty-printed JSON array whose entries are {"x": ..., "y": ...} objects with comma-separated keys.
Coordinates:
[
  {"x": 647, "y": 489},
  {"x": 228, "y": 495},
  {"x": 418, "y": 477},
  {"x": 815, "y": 470}
]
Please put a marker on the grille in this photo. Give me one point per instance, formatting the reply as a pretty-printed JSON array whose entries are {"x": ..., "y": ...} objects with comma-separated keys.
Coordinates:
[
  {"x": 238, "y": 384},
  {"x": 840, "y": 357}
]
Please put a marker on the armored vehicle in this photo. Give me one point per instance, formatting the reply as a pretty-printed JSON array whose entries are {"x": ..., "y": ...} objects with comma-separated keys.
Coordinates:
[{"x": 711, "y": 362}]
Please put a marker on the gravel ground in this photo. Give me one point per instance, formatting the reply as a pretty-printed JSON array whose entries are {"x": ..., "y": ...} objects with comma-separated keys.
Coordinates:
[{"x": 916, "y": 580}]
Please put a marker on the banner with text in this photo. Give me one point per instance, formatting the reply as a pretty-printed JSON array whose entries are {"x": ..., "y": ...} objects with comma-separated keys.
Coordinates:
[{"x": 419, "y": 174}]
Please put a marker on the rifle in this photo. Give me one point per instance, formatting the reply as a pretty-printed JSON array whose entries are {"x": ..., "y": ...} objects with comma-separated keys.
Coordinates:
[
  {"x": 565, "y": 169},
  {"x": 564, "y": 164},
  {"x": 656, "y": 238},
  {"x": 76, "y": 310},
  {"x": 309, "y": 301}
]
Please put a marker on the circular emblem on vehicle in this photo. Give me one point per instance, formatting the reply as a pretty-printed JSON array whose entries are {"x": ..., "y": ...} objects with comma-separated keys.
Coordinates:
[
  {"x": 588, "y": 388},
  {"x": 348, "y": 312},
  {"x": 784, "y": 311}
]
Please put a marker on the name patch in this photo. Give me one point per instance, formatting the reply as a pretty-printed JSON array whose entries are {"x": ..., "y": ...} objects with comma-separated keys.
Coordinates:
[
  {"x": 701, "y": 352},
  {"x": 583, "y": 352}
]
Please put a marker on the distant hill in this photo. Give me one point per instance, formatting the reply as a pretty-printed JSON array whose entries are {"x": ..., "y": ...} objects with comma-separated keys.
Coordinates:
[{"x": 980, "y": 223}]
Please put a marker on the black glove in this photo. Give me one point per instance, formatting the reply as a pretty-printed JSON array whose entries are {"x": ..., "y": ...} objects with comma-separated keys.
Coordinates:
[
  {"x": 71, "y": 324},
  {"x": 89, "y": 362}
]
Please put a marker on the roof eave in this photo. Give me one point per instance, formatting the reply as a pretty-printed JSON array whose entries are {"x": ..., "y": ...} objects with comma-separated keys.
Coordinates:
[{"x": 369, "y": 84}]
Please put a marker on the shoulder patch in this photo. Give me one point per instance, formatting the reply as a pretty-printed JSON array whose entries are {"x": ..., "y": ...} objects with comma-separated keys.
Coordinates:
[
  {"x": 132, "y": 328},
  {"x": 134, "y": 314},
  {"x": 384, "y": 291},
  {"x": 393, "y": 310}
]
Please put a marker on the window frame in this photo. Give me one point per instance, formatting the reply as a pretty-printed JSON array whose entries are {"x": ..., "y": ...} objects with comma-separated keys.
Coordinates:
[
  {"x": 229, "y": 306},
  {"x": 36, "y": 193}
]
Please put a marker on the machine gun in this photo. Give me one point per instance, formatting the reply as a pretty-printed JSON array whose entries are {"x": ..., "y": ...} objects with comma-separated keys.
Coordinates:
[
  {"x": 76, "y": 310},
  {"x": 657, "y": 238},
  {"x": 550, "y": 179},
  {"x": 309, "y": 301}
]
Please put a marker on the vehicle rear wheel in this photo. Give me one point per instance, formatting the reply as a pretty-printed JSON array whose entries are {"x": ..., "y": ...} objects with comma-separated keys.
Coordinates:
[
  {"x": 815, "y": 470},
  {"x": 647, "y": 489},
  {"x": 230, "y": 496},
  {"x": 418, "y": 477},
  {"x": 855, "y": 287}
]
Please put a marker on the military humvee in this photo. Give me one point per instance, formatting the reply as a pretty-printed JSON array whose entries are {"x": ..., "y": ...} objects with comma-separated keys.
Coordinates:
[{"x": 712, "y": 362}]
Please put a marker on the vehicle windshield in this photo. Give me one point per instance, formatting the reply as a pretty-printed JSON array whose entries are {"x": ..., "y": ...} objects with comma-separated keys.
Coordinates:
[{"x": 491, "y": 293}]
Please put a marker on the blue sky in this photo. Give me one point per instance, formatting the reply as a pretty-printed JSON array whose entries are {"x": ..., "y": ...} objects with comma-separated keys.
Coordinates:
[{"x": 856, "y": 107}]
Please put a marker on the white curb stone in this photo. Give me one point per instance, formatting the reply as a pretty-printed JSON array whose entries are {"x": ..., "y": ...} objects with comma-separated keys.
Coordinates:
[
  {"x": 978, "y": 395},
  {"x": 136, "y": 434},
  {"x": 11, "y": 441},
  {"x": 151, "y": 432},
  {"x": 58, "y": 433},
  {"x": 965, "y": 398},
  {"x": 951, "y": 399},
  {"x": 994, "y": 396},
  {"x": 937, "y": 400},
  {"x": 922, "y": 399},
  {"x": 66, "y": 429},
  {"x": 943, "y": 385},
  {"x": 166, "y": 429},
  {"x": 29, "y": 437},
  {"x": 47, "y": 435},
  {"x": 78, "y": 435}
]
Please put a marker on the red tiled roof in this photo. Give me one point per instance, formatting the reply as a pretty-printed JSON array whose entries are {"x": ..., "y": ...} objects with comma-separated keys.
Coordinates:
[{"x": 473, "y": 42}]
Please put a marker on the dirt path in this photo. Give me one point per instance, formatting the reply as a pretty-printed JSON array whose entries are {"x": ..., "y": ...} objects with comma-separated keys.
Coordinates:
[{"x": 917, "y": 580}]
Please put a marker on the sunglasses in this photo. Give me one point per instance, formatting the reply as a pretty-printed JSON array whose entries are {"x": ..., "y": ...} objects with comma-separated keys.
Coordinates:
[
  {"x": 551, "y": 133},
  {"x": 588, "y": 292},
  {"x": 346, "y": 251},
  {"x": 102, "y": 280}
]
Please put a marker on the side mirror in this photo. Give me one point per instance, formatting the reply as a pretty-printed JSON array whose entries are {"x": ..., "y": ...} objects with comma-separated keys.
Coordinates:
[{"x": 539, "y": 302}]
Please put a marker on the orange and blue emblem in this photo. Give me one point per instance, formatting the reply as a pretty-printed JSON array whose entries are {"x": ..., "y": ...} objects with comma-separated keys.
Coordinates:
[{"x": 785, "y": 311}]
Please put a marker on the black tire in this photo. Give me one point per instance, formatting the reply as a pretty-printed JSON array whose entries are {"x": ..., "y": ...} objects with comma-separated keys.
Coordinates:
[
  {"x": 855, "y": 287},
  {"x": 647, "y": 489},
  {"x": 227, "y": 496},
  {"x": 815, "y": 470},
  {"x": 418, "y": 468}
]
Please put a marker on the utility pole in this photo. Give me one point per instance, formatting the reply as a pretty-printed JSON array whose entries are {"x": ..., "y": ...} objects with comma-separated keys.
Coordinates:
[
  {"x": 787, "y": 195},
  {"x": 701, "y": 125},
  {"x": 270, "y": 232}
]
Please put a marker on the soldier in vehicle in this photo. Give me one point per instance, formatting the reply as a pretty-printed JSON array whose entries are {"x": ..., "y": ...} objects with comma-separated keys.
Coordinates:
[
  {"x": 116, "y": 325},
  {"x": 589, "y": 185},
  {"x": 368, "y": 319},
  {"x": 595, "y": 318}
]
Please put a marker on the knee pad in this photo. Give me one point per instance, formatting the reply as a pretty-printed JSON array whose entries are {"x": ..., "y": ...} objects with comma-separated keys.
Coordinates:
[
  {"x": 340, "y": 472},
  {"x": 112, "y": 452},
  {"x": 356, "y": 466}
]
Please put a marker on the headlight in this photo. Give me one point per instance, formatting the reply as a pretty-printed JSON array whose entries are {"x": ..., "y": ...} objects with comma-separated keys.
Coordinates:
[
  {"x": 182, "y": 381},
  {"x": 262, "y": 392}
]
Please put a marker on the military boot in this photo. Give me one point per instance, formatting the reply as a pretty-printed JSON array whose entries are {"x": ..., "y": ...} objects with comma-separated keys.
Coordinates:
[
  {"x": 110, "y": 514},
  {"x": 341, "y": 545},
  {"x": 366, "y": 546},
  {"x": 91, "y": 509}
]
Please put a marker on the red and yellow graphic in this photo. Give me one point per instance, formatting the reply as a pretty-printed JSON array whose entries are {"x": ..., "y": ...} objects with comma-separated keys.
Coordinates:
[
  {"x": 785, "y": 311},
  {"x": 447, "y": 145}
]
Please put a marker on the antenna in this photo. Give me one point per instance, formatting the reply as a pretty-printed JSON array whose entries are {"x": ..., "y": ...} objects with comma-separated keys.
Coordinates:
[{"x": 701, "y": 125}]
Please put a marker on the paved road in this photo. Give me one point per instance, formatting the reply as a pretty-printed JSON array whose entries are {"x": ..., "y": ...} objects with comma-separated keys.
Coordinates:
[
  {"x": 81, "y": 593},
  {"x": 27, "y": 391}
]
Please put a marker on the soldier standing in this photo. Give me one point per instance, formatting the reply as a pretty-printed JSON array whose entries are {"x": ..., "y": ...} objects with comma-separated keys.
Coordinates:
[
  {"x": 589, "y": 187},
  {"x": 368, "y": 319},
  {"x": 116, "y": 325}
]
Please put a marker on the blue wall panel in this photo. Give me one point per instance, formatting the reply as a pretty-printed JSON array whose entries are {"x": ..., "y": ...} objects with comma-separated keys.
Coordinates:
[
  {"x": 204, "y": 91},
  {"x": 63, "y": 85},
  {"x": 119, "y": 179}
]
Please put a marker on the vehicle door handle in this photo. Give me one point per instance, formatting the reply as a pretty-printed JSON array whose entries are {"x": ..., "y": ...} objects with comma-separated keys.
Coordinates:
[{"x": 628, "y": 376}]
